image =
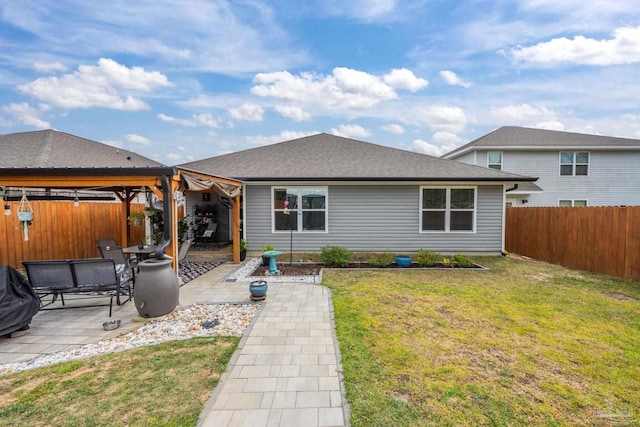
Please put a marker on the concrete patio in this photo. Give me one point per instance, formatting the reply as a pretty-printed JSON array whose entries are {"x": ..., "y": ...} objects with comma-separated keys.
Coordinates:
[{"x": 285, "y": 372}]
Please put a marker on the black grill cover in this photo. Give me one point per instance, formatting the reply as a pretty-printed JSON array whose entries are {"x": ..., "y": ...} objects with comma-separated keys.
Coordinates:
[{"x": 18, "y": 301}]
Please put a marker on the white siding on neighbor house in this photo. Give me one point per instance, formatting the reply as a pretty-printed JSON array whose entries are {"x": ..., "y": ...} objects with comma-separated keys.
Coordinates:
[
  {"x": 614, "y": 177},
  {"x": 375, "y": 218}
]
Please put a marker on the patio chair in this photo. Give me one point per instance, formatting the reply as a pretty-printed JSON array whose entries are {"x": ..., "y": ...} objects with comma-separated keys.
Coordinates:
[
  {"x": 208, "y": 233},
  {"x": 182, "y": 253},
  {"x": 125, "y": 267}
]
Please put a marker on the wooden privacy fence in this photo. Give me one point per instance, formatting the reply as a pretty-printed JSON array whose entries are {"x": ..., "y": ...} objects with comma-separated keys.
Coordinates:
[
  {"x": 599, "y": 239},
  {"x": 61, "y": 230}
]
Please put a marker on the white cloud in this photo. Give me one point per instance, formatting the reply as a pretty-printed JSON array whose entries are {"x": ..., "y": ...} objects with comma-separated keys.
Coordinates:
[
  {"x": 363, "y": 10},
  {"x": 350, "y": 131},
  {"x": 248, "y": 112},
  {"x": 202, "y": 119},
  {"x": 292, "y": 112},
  {"x": 393, "y": 128},
  {"x": 447, "y": 138},
  {"x": 404, "y": 79},
  {"x": 137, "y": 139},
  {"x": 452, "y": 78},
  {"x": 106, "y": 85},
  {"x": 424, "y": 147},
  {"x": 439, "y": 118},
  {"x": 623, "y": 48},
  {"x": 192, "y": 35},
  {"x": 26, "y": 115},
  {"x": 286, "y": 135},
  {"x": 345, "y": 88},
  {"x": 550, "y": 125},
  {"x": 49, "y": 67},
  {"x": 523, "y": 113}
]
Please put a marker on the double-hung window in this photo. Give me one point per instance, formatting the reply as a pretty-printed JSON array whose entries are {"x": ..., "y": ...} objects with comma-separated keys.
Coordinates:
[
  {"x": 301, "y": 209},
  {"x": 447, "y": 209},
  {"x": 568, "y": 202},
  {"x": 574, "y": 163},
  {"x": 494, "y": 160}
]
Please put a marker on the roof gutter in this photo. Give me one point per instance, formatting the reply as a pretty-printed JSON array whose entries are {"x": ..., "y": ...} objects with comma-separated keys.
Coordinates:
[{"x": 387, "y": 179}]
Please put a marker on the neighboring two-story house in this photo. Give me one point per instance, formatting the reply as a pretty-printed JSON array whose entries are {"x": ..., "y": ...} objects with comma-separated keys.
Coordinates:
[{"x": 573, "y": 169}]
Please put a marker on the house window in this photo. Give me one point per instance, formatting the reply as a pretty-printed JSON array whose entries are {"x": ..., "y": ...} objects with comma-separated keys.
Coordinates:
[
  {"x": 574, "y": 163},
  {"x": 447, "y": 209},
  {"x": 300, "y": 209},
  {"x": 568, "y": 203},
  {"x": 494, "y": 160}
]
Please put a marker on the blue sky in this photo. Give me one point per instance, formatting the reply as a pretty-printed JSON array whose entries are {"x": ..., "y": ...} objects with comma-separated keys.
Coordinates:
[{"x": 184, "y": 80}]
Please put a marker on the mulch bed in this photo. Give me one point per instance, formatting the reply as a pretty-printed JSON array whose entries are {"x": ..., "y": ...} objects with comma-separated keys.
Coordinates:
[{"x": 309, "y": 269}]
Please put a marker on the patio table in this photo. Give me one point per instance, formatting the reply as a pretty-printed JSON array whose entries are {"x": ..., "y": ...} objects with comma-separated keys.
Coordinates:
[{"x": 141, "y": 253}]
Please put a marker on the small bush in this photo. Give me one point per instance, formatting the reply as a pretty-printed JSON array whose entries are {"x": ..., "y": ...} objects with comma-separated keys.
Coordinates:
[
  {"x": 335, "y": 256},
  {"x": 462, "y": 261},
  {"x": 427, "y": 258},
  {"x": 381, "y": 260}
]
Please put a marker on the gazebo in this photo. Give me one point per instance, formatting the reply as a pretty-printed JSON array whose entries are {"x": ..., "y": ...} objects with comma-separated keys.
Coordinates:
[{"x": 54, "y": 160}]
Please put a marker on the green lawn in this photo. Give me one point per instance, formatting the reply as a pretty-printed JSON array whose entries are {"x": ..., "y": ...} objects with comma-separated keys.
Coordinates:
[
  {"x": 161, "y": 385},
  {"x": 526, "y": 343}
]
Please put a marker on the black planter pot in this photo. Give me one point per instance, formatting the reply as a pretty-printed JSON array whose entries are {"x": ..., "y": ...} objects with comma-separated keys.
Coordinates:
[
  {"x": 265, "y": 261},
  {"x": 243, "y": 255}
]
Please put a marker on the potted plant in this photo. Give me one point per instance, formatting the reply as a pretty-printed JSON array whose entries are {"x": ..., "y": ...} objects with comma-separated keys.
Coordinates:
[
  {"x": 243, "y": 249},
  {"x": 183, "y": 227},
  {"x": 136, "y": 218},
  {"x": 266, "y": 248}
]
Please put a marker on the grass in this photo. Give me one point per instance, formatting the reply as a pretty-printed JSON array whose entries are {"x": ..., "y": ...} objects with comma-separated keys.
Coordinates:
[
  {"x": 161, "y": 385},
  {"x": 526, "y": 343}
]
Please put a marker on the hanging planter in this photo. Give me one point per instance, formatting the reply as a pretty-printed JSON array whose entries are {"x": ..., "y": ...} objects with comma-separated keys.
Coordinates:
[{"x": 25, "y": 215}]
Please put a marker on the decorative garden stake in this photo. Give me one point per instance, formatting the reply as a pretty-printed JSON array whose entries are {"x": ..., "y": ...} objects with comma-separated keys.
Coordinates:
[{"x": 25, "y": 214}]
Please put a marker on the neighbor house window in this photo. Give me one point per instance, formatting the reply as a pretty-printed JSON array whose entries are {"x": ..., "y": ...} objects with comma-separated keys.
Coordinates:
[
  {"x": 448, "y": 209},
  {"x": 572, "y": 203},
  {"x": 300, "y": 209},
  {"x": 494, "y": 160},
  {"x": 574, "y": 163}
]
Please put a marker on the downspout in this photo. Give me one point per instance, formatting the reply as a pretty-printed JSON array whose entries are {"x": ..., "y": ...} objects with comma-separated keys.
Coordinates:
[
  {"x": 168, "y": 220},
  {"x": 515, "y": 187}
]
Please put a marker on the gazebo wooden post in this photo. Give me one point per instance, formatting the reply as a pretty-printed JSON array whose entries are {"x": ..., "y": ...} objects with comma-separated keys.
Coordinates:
[{"x": 236, "y": 230}]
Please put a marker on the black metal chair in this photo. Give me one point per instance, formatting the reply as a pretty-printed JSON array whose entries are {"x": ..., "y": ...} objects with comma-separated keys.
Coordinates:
[{"x": 125, "y": 267}]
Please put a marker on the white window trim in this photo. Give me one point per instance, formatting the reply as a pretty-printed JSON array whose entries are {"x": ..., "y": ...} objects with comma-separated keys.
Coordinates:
[
  {"x": 573, "y": 202},
  {"x": 573, "y": 164},
  {"x": 299, "y": 229},
  {"x": 501, "y": 160},
  {"x": 447, "y": 216}
]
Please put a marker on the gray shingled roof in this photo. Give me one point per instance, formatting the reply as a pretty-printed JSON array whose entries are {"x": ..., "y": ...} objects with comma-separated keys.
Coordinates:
[
  {"x": 521, "y": 138},
  {"x": 53, "y": 149},
  {"x": 329, "y": 157}
]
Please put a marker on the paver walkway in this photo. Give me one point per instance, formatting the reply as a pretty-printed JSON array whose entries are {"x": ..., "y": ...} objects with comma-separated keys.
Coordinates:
[{"x": 286, "y": 369}]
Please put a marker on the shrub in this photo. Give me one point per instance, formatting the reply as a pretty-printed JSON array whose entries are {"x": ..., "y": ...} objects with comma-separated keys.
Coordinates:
[
  {"x": 268, "y": 248},
  {"x": 427, "y": 258},
  {"x": 462, "y": 261},
  {"x": 381, "y": 260},
  {"x": 335, "y": 256}
]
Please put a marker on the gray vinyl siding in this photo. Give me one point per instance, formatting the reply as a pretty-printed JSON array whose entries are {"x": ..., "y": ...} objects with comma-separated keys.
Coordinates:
[
  {"x": 614, "y": 177},
  {"x": 375, "y": 218}
]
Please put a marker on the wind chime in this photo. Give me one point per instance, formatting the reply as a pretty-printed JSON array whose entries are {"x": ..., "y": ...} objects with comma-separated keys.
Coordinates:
[{"x": 25, "y": 214}]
